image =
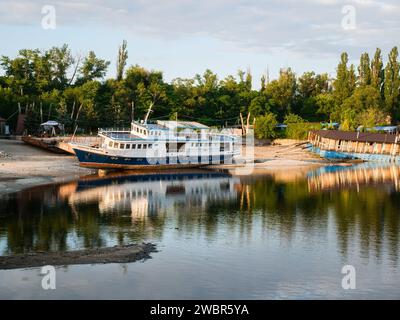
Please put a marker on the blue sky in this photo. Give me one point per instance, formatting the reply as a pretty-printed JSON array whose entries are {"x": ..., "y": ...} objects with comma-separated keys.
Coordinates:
[{"x": 185, "y": 37}]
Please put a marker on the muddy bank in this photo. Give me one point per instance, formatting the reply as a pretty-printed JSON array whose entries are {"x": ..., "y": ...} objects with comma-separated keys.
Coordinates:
[{"x": 117, "y": 254}]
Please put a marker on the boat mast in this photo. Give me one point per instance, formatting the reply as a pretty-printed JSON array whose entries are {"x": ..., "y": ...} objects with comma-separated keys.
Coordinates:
[{"x": 148, "y": 113}]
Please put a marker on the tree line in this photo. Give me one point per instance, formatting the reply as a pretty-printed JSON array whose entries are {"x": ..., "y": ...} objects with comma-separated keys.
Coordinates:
[{"x": 57, "y": 85}]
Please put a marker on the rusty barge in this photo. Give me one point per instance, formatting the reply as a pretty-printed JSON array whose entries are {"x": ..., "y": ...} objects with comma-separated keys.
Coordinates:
[{"x": 346, "y": 145}]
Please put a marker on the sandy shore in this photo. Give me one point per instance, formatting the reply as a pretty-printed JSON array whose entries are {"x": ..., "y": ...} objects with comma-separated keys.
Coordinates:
[
  {"x": 23, "y": 166},
  {"x": 276, "y": 158}
]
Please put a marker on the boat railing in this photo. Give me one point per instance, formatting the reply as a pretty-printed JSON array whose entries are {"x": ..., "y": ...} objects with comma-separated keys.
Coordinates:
[{"x": 114, "y": 130}]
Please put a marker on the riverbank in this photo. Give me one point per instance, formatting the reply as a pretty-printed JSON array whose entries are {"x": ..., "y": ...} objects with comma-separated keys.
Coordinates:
[
  {"x": 291, "y": 157},
  {"x": 23, "y": 166}
]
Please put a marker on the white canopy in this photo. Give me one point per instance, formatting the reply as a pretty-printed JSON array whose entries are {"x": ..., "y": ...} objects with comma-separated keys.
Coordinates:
[{"x": 51, "y": 123}]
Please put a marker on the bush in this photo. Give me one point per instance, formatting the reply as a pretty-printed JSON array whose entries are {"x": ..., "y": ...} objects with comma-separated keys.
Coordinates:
[
  {"x": 265, "y": 126},
  {"x": 293, "y": 118},
  {"x": 299, "y": 131}
]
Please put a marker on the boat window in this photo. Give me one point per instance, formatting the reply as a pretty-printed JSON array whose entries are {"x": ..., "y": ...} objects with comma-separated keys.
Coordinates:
[
  {"x": 134, "y": 146},
  {"x": 122, "y": 146},
  {"x": 128, "y": 146},
  {"x": 139, "y": 146},
  {"x": 150, "y": 146},
  {"x": 110, "y": 144},
  {"x": 145, "y": 146},
  {"x": 116, "y": 145}
]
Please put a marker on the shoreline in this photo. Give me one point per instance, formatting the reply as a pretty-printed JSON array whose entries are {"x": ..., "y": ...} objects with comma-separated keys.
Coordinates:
[{"x": 23, "y": 166}]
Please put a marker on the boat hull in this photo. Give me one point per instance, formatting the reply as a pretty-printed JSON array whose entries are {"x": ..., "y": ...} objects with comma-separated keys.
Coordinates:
[
  {"x": 339, "y": 155},
  {"x": 96, "y": 160}
]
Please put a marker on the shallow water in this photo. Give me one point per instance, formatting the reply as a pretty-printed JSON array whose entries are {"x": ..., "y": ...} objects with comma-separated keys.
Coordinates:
[{"x": 260, "y": 236}]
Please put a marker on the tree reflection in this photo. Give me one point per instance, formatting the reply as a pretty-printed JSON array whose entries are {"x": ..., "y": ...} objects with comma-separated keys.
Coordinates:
[{"x": 360, "y": 208}]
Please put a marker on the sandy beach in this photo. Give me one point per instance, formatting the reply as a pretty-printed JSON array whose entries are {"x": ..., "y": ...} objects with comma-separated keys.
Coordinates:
[{"x": 23, "y": 166}]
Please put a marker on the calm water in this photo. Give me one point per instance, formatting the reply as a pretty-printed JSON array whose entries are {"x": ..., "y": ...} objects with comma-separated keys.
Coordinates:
[{"x": 262, "y": 236}]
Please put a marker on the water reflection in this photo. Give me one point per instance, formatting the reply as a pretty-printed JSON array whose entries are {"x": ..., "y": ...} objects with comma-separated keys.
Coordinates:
[
  {"x": 96, "y": 212},
  {"x": 356, "y": 208}
]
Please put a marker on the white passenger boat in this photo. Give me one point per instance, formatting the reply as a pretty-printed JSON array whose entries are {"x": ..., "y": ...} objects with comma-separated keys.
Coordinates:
[{"x": 162, "y": 144}]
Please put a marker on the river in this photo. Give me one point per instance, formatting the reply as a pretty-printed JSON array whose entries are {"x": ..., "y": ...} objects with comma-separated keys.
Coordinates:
[{"x": 218, "y": 235}]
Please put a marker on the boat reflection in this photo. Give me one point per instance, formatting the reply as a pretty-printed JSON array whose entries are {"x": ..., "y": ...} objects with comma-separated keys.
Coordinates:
[
  {"x": 154, "y": 194},
  {"x": 343, "y": 177}
]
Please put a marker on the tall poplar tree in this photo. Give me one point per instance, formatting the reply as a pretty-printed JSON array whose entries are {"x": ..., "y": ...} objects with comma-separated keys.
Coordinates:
[
  {"x": 122, "y": 59},
  {"x": 392, "y": 85},
  {"x": 377, "y": 72},
  {"x": 344, "y": 83},
  {"x": 364, "y": 70}
]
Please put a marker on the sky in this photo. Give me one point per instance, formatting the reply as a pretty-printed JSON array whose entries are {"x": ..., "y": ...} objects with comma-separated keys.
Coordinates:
[{"x": 186, "y": 37}]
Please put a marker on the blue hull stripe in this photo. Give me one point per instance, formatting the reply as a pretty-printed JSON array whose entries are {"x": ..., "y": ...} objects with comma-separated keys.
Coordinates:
[
  {"x": 98, "y": 160},
  {"x": 337, "y": 155}
]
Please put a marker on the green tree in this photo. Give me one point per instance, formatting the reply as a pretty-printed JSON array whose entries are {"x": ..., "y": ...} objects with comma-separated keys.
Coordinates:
[
  {"x": 364, "y": 99},
  {"x": 377, "y": 72},
  {"x": 326, "y": 106},
  {"x": 122, "y": 59},
  {"x": 283, "y": 91},
  {"x": 392, "y": 85},
  {"x": 364, "y": 70},
  {"x": 92, "y": 68},
  {"x": 345, "y": 83}
]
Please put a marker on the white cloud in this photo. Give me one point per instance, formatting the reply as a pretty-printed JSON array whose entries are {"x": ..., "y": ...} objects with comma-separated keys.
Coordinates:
[{"x": 306, "y": 27}]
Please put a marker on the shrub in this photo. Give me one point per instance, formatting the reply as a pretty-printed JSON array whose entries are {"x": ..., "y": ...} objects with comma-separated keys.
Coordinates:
[
  {"x": 293, "y": 118},
  {"x": 265, "y": 126},
  {"x": 299, "y": 131}
]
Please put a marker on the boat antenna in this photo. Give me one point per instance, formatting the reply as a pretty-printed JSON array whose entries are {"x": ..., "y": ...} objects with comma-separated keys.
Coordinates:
[{"x": 148, "y": 112}]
